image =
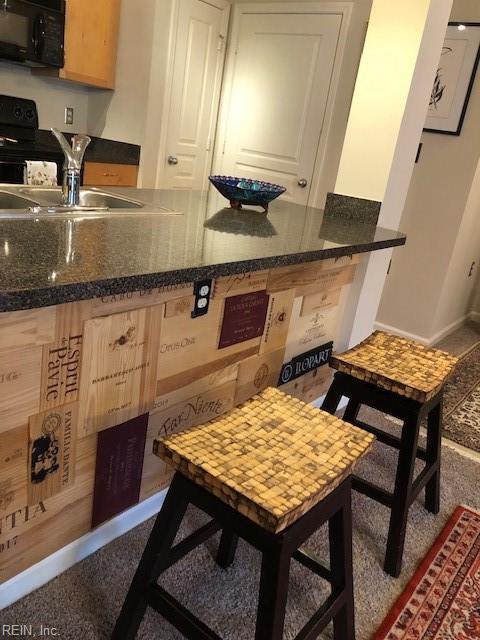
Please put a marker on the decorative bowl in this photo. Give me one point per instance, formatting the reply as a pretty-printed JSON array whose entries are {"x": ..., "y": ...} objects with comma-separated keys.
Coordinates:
[{"x": 246, "y": 191}]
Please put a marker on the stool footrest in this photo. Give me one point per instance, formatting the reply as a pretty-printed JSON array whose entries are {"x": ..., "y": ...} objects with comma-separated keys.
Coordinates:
[
  {"x": 181, "y": 618},
  {"x": 312, "y": 562},
  {"x": 372, "y": 491},
  {"x": 387, "y": 438},
  {"x": 193, "y": 540},
  {"x": 323, "y": 616}
]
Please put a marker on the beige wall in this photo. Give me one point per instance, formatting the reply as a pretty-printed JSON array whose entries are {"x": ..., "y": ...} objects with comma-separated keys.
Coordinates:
[
  {"x": 432, "y": 220},
  {"x": 51, "y": 96}
]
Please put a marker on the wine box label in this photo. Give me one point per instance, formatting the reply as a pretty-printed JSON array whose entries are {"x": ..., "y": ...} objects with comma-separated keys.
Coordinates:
[
  {"x": 51, "y": 452},
  {"x": 243, "y": 318},
  {"x": 132, "y": 300},
  {"x": 279, "y": 313},
  {"x": 119, "y": 367},
  {"x": 31, "y": 327},
  {"x": 118, "y": 468},
  {"x": 305, "y": 362},
  {"x": 258, "y": 373},
  {"x": 19, "y": 386},
  {"x": 308, "y": 332},
  {"x": 240, "y": 283},
  {"x": 320, "y": 301},
  {"x": 13, "y": 469},
  {"x": 313, "y": 274}
]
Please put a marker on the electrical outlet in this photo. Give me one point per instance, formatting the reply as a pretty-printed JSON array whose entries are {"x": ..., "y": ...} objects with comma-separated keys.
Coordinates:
[{"x": 68, "y": 115}]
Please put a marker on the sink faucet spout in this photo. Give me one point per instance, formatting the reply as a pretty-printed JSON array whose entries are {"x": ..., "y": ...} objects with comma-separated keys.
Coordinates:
[{"x": 72, "y": 166}]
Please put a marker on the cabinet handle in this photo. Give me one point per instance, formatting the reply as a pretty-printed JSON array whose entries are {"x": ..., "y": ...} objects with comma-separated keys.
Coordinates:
[{"x": 111, "y": 175}]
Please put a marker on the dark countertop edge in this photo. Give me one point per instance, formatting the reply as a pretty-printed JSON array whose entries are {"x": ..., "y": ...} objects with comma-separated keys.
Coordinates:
[{"x": 61, "y": 294}]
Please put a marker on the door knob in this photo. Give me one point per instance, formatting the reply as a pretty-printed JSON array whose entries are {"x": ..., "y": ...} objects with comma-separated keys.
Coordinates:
[
  {"x": 302, "y": 183},
  {"x": 172, "y": 160}
]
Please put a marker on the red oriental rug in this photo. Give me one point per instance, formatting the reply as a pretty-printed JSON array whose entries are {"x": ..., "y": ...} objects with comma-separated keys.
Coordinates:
[{"x": 442, "y": 600}]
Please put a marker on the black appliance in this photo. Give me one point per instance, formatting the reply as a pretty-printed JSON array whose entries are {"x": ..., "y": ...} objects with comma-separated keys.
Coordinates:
[
  {"x": 21, "y": 140},
  {"x": 33, "y": 33}
]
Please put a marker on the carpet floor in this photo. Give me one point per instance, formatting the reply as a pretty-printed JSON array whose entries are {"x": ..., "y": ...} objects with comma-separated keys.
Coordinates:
[
  {"x": 462, "y": 402},
  {"x": 84, "y": 601}
]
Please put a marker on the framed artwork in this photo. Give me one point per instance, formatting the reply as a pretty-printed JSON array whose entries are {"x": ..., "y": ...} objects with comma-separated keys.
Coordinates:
[{"x": 454, "y": 80}]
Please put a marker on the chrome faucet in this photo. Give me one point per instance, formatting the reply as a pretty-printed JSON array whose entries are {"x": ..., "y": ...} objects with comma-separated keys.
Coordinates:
[{"x": 72, "y": 166}]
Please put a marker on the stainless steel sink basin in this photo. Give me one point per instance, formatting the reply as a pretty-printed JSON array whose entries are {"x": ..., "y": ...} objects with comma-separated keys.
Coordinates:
[
  {"x": 10, "y": 200},
  {"x": 91, "y": 198}
]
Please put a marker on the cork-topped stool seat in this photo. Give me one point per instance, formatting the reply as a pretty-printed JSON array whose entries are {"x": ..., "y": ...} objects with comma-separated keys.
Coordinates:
[
  {"x": 272, "y": 472},
  {"x": 404, "y": 379}
]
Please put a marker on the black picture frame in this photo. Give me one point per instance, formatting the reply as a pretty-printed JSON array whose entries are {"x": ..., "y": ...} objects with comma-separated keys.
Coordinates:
[{"x": 468, "y": 93}]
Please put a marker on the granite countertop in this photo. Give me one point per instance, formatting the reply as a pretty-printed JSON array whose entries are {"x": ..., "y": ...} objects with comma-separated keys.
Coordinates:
[{"x": 54, "y": 259}]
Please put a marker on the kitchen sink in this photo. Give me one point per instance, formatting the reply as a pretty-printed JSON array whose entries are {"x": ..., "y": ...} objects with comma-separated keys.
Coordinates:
[
  {"x": 10, "y": 200},
  {"x": 91, "y": 198}
]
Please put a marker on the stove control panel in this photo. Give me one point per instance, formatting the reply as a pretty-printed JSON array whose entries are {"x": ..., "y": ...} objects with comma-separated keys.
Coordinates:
[{"x": 18, "y": 112}]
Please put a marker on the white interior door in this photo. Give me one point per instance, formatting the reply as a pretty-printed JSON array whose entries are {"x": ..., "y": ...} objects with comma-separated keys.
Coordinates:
[
  {"x": 280, "y": 81},
  {"x": 198, "y": 66}
]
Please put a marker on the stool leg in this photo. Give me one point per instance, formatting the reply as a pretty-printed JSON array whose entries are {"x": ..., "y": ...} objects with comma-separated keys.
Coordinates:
[
  {"x": 161, "y": 539},
  {"x": 351, "y": 412},
  {"x": 227, "y": 548},
  {"x": 401, "y": 496},
  {"x": 340, "y": 537},
  {"x": 333, "y": 397},
  {"x": 272, "y": 600},
  {"x": 434, "y": 451}
]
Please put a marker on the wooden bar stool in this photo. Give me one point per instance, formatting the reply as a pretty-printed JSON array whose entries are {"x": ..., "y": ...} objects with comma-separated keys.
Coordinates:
[
  {"x": 404, "y": 379},
  {"x": 272, "y": 471}
]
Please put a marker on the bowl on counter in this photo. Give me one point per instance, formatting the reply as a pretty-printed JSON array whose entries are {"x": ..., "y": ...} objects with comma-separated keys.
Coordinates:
[{"x": 241, "y": 191}]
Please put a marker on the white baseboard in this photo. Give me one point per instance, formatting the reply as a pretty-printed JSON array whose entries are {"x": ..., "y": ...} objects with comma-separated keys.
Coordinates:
[
  {"x": 55, "y": 564},
  {"x": 424, "y": 340},
  {"x": 474, "y": 316}
]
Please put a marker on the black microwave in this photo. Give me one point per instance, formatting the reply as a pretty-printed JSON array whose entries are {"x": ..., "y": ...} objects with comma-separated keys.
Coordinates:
[{"x": 32, "y": 33}]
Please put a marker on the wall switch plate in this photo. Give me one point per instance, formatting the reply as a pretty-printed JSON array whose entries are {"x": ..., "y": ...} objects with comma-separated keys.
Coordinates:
[{"x": 68, "y": 115}]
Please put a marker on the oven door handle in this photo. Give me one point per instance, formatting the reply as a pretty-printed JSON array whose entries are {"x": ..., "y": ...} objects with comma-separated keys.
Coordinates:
[{"x": 39, "y": 35}]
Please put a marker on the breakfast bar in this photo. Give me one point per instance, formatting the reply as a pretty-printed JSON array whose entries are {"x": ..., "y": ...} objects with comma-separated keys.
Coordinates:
[{"x": 119, "y": 326}]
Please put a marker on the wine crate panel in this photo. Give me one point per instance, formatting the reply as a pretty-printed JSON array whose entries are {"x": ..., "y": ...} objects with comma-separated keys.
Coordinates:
[
  {"x": 316, "y": 383},
  {"x": 60, "y": 380},
  {"x": 240, "y": 283},
  {"x": 186, "y": 341},
  {"x": 118, "y": 469},
  {"x": 195, "y": 388},
  {"x": 257, "y": 373},
  {"x": 310, "y": 273},
  {"x": 243, "y": 319},
  {"x": 140, "y": 299},
  {"x": 24, "y": 548},
  {"x": 278, "y": 320},
  {"x": 331, "y": 279},
  {"x": 320, "y": 301},
  {"x": 343, "y": 261},
  {"x": 294, "y": 388},
  {"x": 13, "y": 469},
  {"x": 51, "y": 452},
  {"x": 194, "y": 411},
  {"x": 19, "y": 386},
  {"x": 179, "y": 306},
  {"x": 119, "y": 369},
  {"x": 308, "y": 332},
  {"x": 156, "y": 473},
  {"x": 32, "y": 327}
]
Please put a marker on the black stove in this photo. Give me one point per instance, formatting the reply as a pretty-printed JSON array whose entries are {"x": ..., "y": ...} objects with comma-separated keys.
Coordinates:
[{"x": 22, "y": 140}]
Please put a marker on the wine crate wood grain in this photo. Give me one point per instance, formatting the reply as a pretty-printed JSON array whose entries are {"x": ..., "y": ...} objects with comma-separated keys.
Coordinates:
[
  {"x": 186, "y": 341},
  {"x": 320, "y": 301},
  {"x": 61, "y": 359},
  {"x": 31, "y": 327},
  {"x": 51, "y": 452},
  {"x": 13, "y": 469},
  {"x": 240, "y": 283},
  {"x": 195, "y": 388},
  {"x": 119, "y": 367},
  {"x": 179, "y": 306},
  {"x": 294, "y": 388},
  {"x": 257, "y": 373},
  {"x": 19, "y": 386},
  {"x": 189, "y": 376},
  {"x": 307, "y": 332},
  {"x": 23, "y": 549},
  {"x": 312, "y": 273},
  {"x": 316, "y": 383},
  {"x": 278, "y": 319},
  {"x": 140, "y": 299}
]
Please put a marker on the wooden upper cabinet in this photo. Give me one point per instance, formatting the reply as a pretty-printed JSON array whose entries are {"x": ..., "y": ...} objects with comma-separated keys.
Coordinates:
[{"x": 91, "y": 39}]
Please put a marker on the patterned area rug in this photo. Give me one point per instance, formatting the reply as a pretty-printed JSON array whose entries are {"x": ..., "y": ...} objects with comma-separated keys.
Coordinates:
[
  {"x": 462, "y": 402},
  {"x": 442, "y": 600}
]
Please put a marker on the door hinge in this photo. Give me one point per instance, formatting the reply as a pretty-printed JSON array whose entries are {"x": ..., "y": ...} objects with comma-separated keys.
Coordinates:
[{"x": 220, "y": 42}]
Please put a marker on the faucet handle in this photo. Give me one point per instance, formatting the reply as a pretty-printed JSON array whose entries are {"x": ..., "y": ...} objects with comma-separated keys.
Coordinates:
[{"x": 80, "y": 143}]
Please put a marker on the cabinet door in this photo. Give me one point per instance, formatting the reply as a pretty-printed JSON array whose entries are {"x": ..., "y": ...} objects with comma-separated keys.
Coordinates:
[
  {"x": 91, "y": 36},
  {"x": 103, "y": 175}
]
